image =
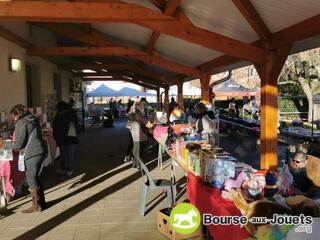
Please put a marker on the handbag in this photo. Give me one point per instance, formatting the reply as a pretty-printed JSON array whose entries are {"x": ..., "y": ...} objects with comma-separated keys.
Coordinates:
[
  {"x": 72, "y": 132},
  {"x": 21, "y": 163}
]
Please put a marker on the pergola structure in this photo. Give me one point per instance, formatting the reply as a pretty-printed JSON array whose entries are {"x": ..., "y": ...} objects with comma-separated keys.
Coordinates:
[{"x": 158, "y": 43}]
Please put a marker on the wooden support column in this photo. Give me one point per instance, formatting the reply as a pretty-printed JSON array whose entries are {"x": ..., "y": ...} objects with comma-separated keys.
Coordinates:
[
  {"x": 166, "y": 100},
  {"x": 180, "y": 94},
  {"x": 205, "y": 82},
  {"x": 269, "y": 73},
  {"x": 158, "y": 99}
]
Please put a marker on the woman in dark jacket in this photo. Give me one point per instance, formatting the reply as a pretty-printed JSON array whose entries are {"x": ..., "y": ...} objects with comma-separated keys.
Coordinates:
[
  {"x": 66, "y": 136},
  {"x": 29, "y": 141}
]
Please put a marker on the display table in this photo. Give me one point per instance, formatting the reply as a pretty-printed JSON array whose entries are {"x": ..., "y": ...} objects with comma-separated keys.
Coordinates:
[
  {"x": 300, "y": 133},
  {"x": 250, "y": 125},
  {"x": 208, "y": 200},
  {"x": 5, "y": 178}
]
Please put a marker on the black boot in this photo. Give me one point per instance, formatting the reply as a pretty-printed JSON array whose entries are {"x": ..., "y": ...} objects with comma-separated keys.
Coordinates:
[{"x": 41, "y": 197}]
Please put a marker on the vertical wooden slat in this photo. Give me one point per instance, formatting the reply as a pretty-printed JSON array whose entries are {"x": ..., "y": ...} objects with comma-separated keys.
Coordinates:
[{"x": 205, "y": 82}]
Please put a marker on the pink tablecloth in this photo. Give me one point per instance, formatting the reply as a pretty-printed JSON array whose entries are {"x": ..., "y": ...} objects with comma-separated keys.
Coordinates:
[{"x": 5, "y": 171}]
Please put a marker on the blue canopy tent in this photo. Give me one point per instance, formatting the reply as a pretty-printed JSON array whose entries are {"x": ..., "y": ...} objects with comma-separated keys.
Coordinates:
[
  {"x": 130, "y": 92},
  {"x": 103, "y": 91}
]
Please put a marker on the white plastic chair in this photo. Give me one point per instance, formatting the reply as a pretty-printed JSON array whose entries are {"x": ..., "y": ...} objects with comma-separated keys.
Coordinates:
[{"x": 155, "y": 184}]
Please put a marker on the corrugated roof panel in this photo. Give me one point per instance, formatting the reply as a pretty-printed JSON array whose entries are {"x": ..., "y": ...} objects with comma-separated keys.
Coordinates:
[
  {"x": 145, "y": 3},
  {"x": 219, "y": 16},
  {"x": 129, "y": 33},
  {"x": 278, "y": 15},
  {"x": 184, "y": 52}
]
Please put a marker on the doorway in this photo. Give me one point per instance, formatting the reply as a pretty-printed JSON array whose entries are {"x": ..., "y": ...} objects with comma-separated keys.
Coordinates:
[{"x": 33, "y": 85}]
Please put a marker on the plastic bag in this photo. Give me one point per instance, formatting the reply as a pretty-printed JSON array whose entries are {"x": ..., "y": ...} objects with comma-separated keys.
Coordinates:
[{"x": 285, "y": 180}]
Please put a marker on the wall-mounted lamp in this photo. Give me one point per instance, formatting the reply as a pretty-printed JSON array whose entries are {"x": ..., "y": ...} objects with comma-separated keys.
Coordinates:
[{"x": 15, "y": 64}]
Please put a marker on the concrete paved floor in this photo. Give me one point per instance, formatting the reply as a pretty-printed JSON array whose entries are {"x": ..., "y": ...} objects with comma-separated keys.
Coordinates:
[{"x": 101, "y": 200}]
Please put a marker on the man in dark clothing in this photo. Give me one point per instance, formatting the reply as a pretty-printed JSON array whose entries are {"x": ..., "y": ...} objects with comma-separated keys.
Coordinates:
[
  {"x": 66, "y": 136},
  {"x": 172, "y": 104}
]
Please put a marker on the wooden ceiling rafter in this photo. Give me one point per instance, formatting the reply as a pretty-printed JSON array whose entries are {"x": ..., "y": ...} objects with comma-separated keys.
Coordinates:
[
  {"x": 170, "y": 9},
  {"x": 96, "y": 38},
  {"x": 285, "y": 37},
  {"x": 124, "y": 12},
  {"x": 119, "y": 67}
]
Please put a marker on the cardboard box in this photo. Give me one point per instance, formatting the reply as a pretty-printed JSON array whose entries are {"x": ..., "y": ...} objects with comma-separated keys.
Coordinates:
[{"x": 165, "y": 228}]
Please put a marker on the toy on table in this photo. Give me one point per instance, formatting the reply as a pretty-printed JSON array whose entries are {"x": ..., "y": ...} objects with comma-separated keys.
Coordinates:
[
  {"x": 295, "y": 205},
  {"x": 254, "y": 187},
  {"x": 171, "y": 137},
  {"x": 285, "y": 181},
  {"x": 237, "y": 183}
]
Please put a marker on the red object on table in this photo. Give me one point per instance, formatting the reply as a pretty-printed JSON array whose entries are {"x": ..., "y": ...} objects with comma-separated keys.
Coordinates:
[{"x": 208, "y": 200}]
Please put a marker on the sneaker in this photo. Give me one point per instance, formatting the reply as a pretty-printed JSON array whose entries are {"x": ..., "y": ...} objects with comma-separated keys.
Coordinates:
[
  {"x": 69, "y": 173},
  {"x": 60, "y": 171}
]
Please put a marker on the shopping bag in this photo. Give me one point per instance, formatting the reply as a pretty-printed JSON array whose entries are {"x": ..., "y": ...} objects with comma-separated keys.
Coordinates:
[{"x": 72, "y": 132}]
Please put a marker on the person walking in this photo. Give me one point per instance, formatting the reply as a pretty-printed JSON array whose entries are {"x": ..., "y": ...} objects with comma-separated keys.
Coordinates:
[
  {"x": 29, "y": 142},
  {"x": 66, "y": 136},
  {"x": 137, "y": 126},
  {"x": 204, "y": 124}
]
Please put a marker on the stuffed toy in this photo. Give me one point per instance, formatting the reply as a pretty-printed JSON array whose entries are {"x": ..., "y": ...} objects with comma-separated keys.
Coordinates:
[
  {"x": 237, "y": 183},
  {"x": 254, "y": 187},
  {"x": 295, "y": 205}
]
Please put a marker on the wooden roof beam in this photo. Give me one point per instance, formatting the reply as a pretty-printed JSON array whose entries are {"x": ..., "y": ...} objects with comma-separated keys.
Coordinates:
[
  {"x": 113, "y": 51},
  {"x": 86, "y": 12},
  {"x": 253, "y": 18},
  {"x": 171, "y": 7},
  {"x": 12, "y": 37},
  {"x": 286, "y": 37},
  {"x": 118, "y": 67},
  {"x": 298, "y": 32},
  {"x": 96, "y": 38},
  {"x": 120, "y": 74}
]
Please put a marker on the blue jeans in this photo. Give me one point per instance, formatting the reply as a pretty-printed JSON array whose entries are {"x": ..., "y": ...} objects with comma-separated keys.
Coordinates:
[
  {"x": 67, "y": 157},
  {"x": 33, "y": 166}
]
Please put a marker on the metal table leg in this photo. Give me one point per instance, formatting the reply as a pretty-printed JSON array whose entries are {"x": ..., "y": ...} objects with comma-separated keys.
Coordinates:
[
  {"x": 160, "y": 157},
  {"x": 173, "y": 173},
  {"x": 3, "y": 185}
]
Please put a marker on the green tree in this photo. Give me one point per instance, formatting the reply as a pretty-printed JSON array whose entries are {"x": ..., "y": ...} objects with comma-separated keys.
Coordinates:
[{"x": 299, "y": 77}]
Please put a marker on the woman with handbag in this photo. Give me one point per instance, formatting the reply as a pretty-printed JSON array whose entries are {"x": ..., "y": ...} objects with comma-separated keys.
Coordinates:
[
  {"x": 137, "y": 126},
  {"x": 66, "y": 136},
  {"x": 33, "y": 152}
]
